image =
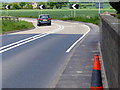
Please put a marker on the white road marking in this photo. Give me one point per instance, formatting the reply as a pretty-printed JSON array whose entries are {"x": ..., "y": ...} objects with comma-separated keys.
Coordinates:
[
  {"x": 70, "y": 26},
  {"x": 74, "y": 44},
  {"x": 16, "y": 45},
  {"x": 24, "y": 41},
  {"x": 19, "y": 41},
  {"x": 69, "y": 22}
]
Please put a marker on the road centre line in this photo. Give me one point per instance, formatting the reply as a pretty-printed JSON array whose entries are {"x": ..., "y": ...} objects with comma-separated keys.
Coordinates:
[
  {"x": 74, "y": 44},
  {"x": 24, "y": 41},
  {"x": 20, "y": 41}
]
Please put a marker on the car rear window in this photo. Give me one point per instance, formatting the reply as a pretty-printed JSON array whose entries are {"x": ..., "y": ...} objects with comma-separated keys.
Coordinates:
[{"x": 44, "y": 16}]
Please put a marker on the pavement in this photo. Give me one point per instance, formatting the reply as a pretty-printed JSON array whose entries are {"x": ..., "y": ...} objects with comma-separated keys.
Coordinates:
[
  {"x": 41, "y": 60},
  {"x": 77, "y": 73}
]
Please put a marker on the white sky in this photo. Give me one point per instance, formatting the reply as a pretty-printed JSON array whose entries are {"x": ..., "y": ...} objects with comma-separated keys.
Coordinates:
[{"x": 69, "y": 0}]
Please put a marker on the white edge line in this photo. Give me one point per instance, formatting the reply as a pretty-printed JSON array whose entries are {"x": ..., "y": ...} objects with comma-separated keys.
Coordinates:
[{"x": 74, "y": 44}]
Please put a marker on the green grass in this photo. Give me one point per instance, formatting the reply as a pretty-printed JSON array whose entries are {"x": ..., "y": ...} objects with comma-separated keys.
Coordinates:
[
  {"x": 55, "y": 13},
  {"x": 17, "y": 25},
  {"x": 84, "y": 15},
  {"x": 93, "y": 5},
  {"x": 94, "y": 20}
]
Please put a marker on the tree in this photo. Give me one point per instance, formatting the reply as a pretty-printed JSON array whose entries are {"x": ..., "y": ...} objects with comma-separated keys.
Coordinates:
[
  {"x": 15, "y": 6},
  {"x": 22, "y": 4},
  {"x": 28, "y": 6},
  {"x": 116, "y": 6},
  {"x": 42, "y": 3},
  {"x": 57, "y": 3},
  {"x": 51, "y": 4},
  {"x": 58, "y": 0}
]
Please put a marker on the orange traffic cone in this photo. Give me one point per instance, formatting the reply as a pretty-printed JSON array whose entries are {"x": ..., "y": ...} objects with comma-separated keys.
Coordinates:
[
  {"x": 96, "y": 57},
  {"x": 96, "y": 64},
  {"x": 96, "y": 82}
]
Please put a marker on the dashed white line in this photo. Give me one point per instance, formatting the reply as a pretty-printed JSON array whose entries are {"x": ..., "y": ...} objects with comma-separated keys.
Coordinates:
[{"x": 74, "y": 44}]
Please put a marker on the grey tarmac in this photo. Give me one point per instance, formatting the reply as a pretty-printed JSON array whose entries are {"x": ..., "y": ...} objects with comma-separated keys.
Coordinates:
[{"x": 42, "y": 62}]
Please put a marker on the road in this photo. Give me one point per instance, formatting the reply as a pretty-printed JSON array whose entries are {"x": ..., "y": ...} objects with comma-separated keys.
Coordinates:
[{"x": 35, "y": 58}]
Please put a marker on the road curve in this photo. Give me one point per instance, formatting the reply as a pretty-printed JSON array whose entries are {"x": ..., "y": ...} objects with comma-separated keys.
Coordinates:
[{"x": 33, "y": 58}]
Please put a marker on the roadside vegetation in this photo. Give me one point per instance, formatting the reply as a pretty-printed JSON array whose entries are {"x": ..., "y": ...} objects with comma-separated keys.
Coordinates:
[
  {"x": 94, "y": 20},
  {"x": 118, "y": 16},
  {"x": 10, "y": 26}
]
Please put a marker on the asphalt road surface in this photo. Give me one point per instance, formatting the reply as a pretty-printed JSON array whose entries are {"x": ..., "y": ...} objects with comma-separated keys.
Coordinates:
[{"x": 34, "y": 58}]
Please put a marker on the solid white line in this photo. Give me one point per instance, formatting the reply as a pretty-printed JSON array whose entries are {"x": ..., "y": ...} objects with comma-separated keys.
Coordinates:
[
  {"x": 69, "y": 22},
  {"x": 20, "y": 41},
  {"x": 74, "y": 44},
  {"x": 24, "y": 41},
  {"x": 53, "y": 31}
]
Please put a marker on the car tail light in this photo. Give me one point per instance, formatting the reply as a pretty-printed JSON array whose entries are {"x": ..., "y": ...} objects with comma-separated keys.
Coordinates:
[
  {"x": 49, "y": 18},
  {"x": 40, "y": 19}
]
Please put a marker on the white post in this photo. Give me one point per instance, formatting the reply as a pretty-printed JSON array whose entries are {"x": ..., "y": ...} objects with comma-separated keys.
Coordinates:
[
  {"x": 1, "y": 65},
  {"x": 7, "y": 12},
  {"x": 99, "y": 7},
  {"x": 7, "y": 9},
  {"x": 38, "y": 11},
  {"x": 71, "y": 13},
  {"x": 74, "y": 13},
  {"x": 41, "y": 11}
]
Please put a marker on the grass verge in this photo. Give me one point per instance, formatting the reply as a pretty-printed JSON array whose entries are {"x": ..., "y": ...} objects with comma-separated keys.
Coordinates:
[
  {"x": 11, "y": 26},
  {"x": 94, "y": 20},
  {"x": 118, "y": 16}
]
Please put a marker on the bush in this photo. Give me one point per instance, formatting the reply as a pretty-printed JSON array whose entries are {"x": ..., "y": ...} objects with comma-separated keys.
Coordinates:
[
  {"x": 28, "y": 6},
  {"x": 22, "y": 4},
  {"x": 16, "y": 6},
  {"x": 118, "y": 16}
]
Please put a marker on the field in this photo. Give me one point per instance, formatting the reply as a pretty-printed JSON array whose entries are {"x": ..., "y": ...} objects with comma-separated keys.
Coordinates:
[
  {"x": 84, "y": 15},
  {"x": 55, "y": 13}
]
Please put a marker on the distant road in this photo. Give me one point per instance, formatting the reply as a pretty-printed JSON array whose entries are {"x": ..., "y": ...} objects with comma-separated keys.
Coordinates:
[{"x": 34, "y": 58}]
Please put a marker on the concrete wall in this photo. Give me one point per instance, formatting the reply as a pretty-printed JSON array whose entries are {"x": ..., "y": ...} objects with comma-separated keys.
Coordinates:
[{"x": 110, "y": 47}]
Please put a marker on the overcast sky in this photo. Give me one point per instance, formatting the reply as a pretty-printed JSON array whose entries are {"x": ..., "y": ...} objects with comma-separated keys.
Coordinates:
[
  {"x": 47, "y": 0},
  {"x": 22, "y": 0}
]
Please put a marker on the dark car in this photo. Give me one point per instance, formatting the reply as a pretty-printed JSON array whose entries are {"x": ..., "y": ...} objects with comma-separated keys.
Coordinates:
[{"x": 44, "y": 19}]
